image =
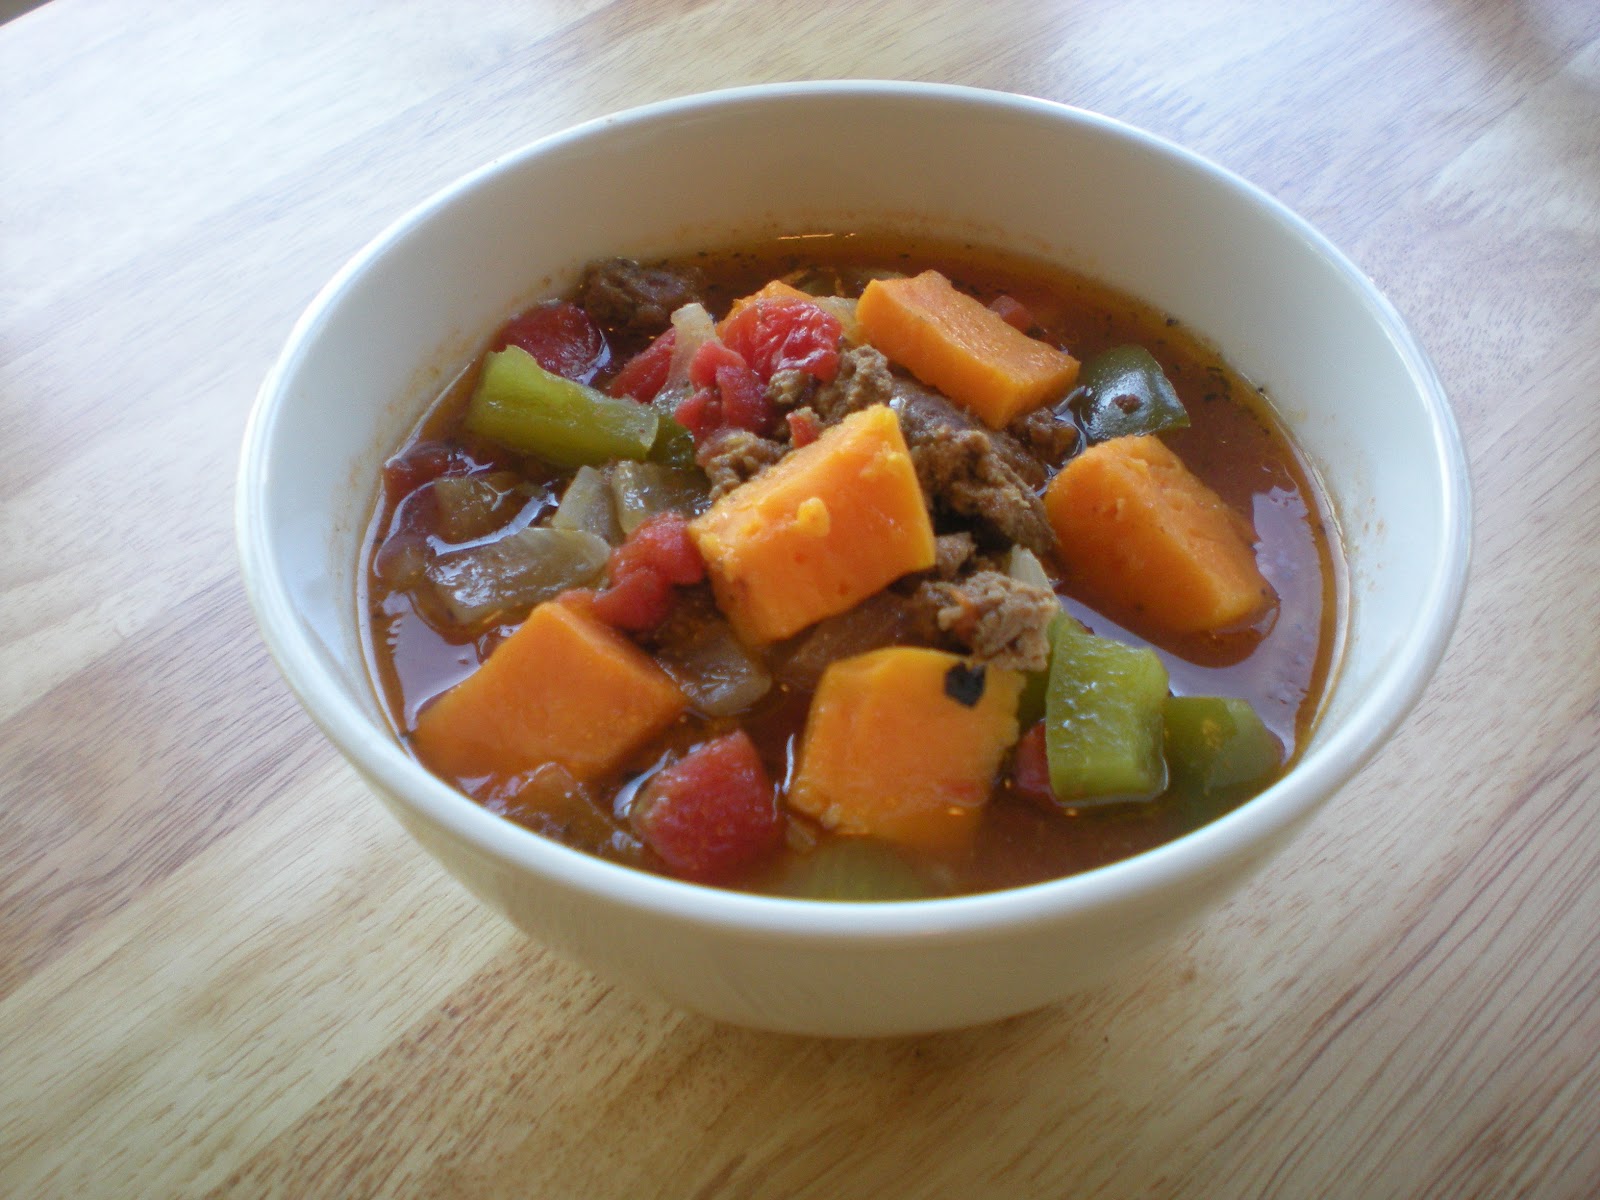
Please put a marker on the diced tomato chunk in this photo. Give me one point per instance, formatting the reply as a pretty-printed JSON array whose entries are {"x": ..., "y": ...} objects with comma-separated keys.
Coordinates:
[
  {"x": 560, "y": 336},
  {"x": 712, "y": 813},
  {"x": 712, "y": 356},
  {"x": 643, "y": 570},
  {"x": 803, "y": 429},
  {"x": 774, "y": 335},
  {"x": 700, "y": 414},
  {"x": 644, "y": 374},
  {"x": 663, "y": 544},
  {"x": 1030, "y": 770},
  {"x": 733, "y": 394},
  {"x": 638, "y": 601},
  {"x": 424, "y": 462},
  {"x": 744, "y": 399},
  {"x": 1012, "y": 311}
]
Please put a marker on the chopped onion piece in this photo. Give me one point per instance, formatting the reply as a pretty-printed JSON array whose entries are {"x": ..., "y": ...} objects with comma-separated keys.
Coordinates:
[
  {"x": 1024, "y": 566},
  {"x": 499, "y": 582},
  {"x": 711, "y": 665},
  {"x": 695, "y": 328},
  {"x": 587, "y": 506},
  {"x": 643, "y": 489}
]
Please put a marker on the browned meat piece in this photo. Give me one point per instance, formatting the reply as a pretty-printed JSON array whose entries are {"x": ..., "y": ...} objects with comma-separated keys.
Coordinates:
[
  {"x": 790, "y": 388},
  {"x": 626, "y": 297},
  {"x": 964, "y": 468},
  {"x": 863, "y": 380},
  {"x": 734, "y": 456},
  {"x": 992, "y": 616},
  {"x": 923, "y": 413},
  {"x": 951, "y": 552},
  {"x": 963, "y": 474},
  {"x": 1047, "y": 435}
]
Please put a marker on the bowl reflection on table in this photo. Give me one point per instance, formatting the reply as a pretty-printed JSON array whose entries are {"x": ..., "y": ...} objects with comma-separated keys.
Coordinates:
[{"x": 1040, "y": 179}]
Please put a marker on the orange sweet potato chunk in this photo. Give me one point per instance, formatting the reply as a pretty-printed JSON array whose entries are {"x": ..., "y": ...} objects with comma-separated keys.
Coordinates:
[
  {"x": 952, "y": 342},
  {"x": 903, "y": 744},
  {"x": 1138, "y": 529},
  {"x": 825, "y": 528},
  {"x": 563, "y": 689}
]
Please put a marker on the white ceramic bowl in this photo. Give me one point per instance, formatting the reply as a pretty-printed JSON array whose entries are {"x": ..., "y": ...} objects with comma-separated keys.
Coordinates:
[{"x": 1286, "y": 308}]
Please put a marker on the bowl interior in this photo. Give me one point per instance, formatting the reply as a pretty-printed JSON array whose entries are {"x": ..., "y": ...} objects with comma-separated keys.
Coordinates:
[{"x": 1289, "y": 312}]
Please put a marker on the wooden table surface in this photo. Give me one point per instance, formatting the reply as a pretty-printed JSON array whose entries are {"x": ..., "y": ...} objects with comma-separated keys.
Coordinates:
[{"x": 224, "y": 969}]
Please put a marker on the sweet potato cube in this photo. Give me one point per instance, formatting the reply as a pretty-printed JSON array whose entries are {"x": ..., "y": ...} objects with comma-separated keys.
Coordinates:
[
  {"x": 563, "y": 688},
  {"x": 1137, "y": 529},
  {"x": 819, "y": 532},
  {"x": 903, "y": 744},
  {"x": 953, "y": 342}
]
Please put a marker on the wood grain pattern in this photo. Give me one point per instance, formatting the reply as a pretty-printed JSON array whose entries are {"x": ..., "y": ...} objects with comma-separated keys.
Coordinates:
[{"x": 224, "y": 970}]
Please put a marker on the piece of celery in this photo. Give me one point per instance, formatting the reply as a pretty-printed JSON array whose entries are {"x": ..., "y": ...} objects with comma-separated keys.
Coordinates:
[
  {"x": 1103, "y": 719},
  {"x": 854, "y": 868},
  {"x": 521, "y": 405}
]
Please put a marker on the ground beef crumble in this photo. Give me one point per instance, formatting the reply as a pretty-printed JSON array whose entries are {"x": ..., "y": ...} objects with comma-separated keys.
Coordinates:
[
  {"x": 790, "y": 388},
  {"x": 965, "y": 470},
  {"x": 951, "y": 552},
  {"x": 924, "y": 414},
  {"x": 995, "y": 618},
  {"x": 961, "y": 471},
  {"x": 863, "y": 380},
  {"x": 732, "y": 456},
  {"x": 1050, "y": 436}
]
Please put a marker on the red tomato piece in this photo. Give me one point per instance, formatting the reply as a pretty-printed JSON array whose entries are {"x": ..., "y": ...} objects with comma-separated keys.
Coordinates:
[
  {"x": 661, "y": 544},
  {"x": 423, "y": 463},
  {"x": 744, "y": 399},
  {"x": 773, "y": 335},
  {"x": 561, "y": 337},
  {"x": 644, "y": 569},
  {"x": 700, "y": 414},
  {"x": 1013, "y": 312},
  {"x": 803, "y": 429},
  {"x": 712, "y": 813},
  {"x": 1030, "y": 770},
  {"x": 712, "y": 356},
  {"x": 638, "y": 601},
  {"x": 644, "y": 374}
]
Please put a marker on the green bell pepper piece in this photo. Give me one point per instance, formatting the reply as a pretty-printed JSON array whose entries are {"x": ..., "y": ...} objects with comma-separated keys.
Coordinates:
[
  {"x": 1217, "y": 748},
  {"x": 1036, "y": 684},
  {"x": 521, "y": 405},
  {"x": 1122, "y": 392},
  {"x": 1103, "y": 719}
]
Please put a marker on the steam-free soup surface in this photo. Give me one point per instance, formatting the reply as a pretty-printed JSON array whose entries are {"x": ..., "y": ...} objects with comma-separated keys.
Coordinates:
[{"x": 754, "y": 765}]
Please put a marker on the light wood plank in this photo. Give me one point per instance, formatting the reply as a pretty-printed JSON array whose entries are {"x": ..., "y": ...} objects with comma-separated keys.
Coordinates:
[{"x": 224, "y": 970}]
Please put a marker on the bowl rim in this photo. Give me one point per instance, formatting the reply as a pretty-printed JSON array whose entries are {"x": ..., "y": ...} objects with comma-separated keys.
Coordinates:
[{"x": 1239, "y": 835}]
